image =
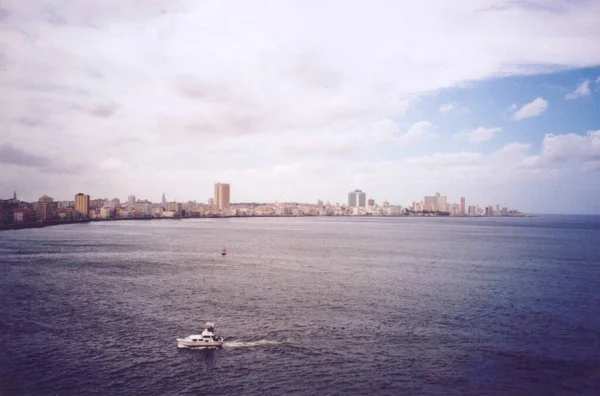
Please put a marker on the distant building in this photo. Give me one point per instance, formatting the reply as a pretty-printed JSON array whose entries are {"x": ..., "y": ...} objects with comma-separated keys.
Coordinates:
[
  {"x": 471, "y": 211},
  {"x": 436, "y": 203},
  {"x": 45, "y": 208},
  {"x": 164, "y": 201},
  {"x": 222, "y": 195},
  {"x": 357, "y": 199},
  {"x": 211, "y": 202},
  {"x": 462, "y": 206},
  {"x": 106, "y": 212},
  {"x": 454, "y": 210},
  {"x": 82, "y": 204},
  {"x": 172, "y": 206},
  {"x": 417, "y": 206},
  {"x": 143, "y": 208},
  {"x": 97, "y": 203},
  {"x": 18, "y": 217},
  {"x": 371, "y": 202},
  {"x": 131, "y": 201}
]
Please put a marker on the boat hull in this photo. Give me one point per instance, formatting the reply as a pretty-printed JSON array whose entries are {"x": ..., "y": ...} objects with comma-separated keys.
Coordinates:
[{"x": 198, "y": 344}]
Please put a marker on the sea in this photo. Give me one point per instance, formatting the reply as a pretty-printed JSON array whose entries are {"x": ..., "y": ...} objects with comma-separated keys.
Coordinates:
[{"x": 319, "y": 305}]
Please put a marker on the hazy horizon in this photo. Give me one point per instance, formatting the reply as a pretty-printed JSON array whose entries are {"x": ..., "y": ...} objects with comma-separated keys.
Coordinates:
[{"x": 495, "y": 101}]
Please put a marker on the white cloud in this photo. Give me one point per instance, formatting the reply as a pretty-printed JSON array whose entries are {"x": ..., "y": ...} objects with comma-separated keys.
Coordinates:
[
  {"x": 478, "y": 135},
  {"x": 445, "y": 108},
  {"x": 111, "y": 164},
  {"x": 418, "y": 132},
  {"x": 532, "y": 109},
  {"x": 583, "y": 89},
  {"x": 203, "y": 93},
  {"x": 598, "y": 80},
  {"x": 572, "y": 147}
]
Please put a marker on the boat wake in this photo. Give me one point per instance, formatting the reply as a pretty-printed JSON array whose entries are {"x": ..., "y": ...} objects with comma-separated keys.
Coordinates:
[{"x": 241, "y": 344}]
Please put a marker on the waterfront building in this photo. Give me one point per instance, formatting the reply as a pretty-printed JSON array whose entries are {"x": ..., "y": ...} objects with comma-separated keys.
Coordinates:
[
  {"x": 142, "y": 208},
  {"x": 164, "y": 201},
  {"x": 471, "y": 211},
  {"x": 131, "y": 201},
  {"x": 454, "y": 210},
  {"x": 106, "y": 212},
  {"x": 18, "y": 217},
  {"x": 462, "y": 206},
  {"x": 97, "y": 203},
  {"x": 222, "y": 195},
  {"x": 436, "y": 203},
  {"x": 82, "y": 204},
  {"x": 357, "y": 199},
  {"x": 45, "y": 208},
  {"x": 371, "y": 202}
]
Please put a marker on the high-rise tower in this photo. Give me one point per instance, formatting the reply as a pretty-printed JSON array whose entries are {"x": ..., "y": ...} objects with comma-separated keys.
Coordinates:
[
  {"x": 357, "y": 198},
  {"x": 222, "y": 195},
  {"x": 82, "y": 204}
]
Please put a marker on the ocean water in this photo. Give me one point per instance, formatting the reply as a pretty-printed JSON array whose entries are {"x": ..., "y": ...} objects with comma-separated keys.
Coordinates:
[{"x": 448, "y": 306}]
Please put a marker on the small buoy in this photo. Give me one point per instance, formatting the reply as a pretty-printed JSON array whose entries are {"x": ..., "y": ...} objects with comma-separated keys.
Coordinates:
[{"x": 223, "y": 252}]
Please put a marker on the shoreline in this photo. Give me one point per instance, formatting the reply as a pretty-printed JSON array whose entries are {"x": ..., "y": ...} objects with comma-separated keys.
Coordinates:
[{"x": 24, "y": 226}]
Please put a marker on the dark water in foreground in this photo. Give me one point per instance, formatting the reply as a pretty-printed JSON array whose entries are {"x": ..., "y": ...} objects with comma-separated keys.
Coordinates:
[{"x": 322, "y": 305}]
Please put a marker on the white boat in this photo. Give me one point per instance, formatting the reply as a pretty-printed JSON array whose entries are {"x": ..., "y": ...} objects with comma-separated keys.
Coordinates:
[{"x": 204, "y": 340}]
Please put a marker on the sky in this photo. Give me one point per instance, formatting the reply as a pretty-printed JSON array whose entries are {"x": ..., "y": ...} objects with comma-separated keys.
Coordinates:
[{"x": 497, "y": 101}]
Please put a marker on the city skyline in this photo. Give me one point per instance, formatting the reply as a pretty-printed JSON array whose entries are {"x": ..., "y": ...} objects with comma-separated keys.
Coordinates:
[
  {"x": 405, "y": 100},
  {"x": 17, "y": 214},
  {"x": 356, "y": 199}
]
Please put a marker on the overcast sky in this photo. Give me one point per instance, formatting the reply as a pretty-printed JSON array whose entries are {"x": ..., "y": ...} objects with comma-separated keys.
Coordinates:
[{"x": 497, "y": 101}]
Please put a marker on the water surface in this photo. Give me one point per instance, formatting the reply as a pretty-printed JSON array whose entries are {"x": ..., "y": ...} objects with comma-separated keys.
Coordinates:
[{"x": 306, "y": 305}]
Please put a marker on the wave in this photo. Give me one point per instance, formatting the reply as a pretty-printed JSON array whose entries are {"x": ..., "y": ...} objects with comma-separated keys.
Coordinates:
[{"x": 242, "y": 344}]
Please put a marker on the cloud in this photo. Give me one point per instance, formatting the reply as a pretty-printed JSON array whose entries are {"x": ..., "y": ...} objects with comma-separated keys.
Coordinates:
[
  {"x": 30, "y": 121},
  {"x": 199, "y": 99},
  {"x": 478, "y": 135},
  {"x": 417, "y": 132},
  {"x": 531, "y": 109},
  {"x": 105, "y": 111},
  {"x": 583, "y": 89},
  {"x": 572, "y": 147},
  {"x": 111, "y": 163},
  {"x": 446, "y": 108},
  {"x": 11, "y": 155},
  {"x": 598, "y": 80}
]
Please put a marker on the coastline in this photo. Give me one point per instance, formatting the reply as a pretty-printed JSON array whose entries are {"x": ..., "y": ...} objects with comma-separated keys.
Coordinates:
[{"x": 24, "y": 226}]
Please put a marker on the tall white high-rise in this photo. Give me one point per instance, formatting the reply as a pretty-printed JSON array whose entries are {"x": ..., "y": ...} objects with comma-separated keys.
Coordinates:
[
  {"x": 131, "y": 200},
  {"x": 357, "y": 199},
  {"x": 164, "y": 201}
]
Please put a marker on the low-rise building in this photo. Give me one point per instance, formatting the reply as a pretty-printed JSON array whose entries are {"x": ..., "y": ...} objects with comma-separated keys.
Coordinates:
[{"x": 18, "y": 217}]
